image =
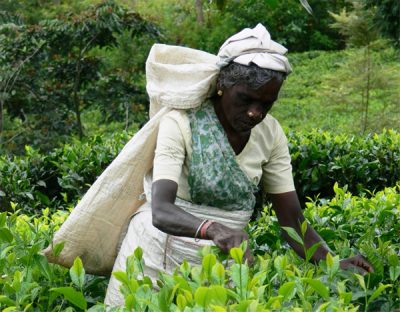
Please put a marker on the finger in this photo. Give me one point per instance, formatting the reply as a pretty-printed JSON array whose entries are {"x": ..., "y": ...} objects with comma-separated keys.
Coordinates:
[
  {"x": 249, "y": 257},
  {"x": 362, "y": 262}
]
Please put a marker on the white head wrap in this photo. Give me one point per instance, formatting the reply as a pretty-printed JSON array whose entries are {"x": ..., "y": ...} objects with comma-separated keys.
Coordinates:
[
  {"x": 183, "y": 78},
  {"x": 254, "y": 46}
]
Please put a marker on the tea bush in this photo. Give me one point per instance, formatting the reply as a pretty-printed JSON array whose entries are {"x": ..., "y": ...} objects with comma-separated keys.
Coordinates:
[
  {"x": 362, "y": 163},
  {"x": 278, "y": 280},
  {"x": 36, "y": 181},
  {"x": 27, "y": 281}
]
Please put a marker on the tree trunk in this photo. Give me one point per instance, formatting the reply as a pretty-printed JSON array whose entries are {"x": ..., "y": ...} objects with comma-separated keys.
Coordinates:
[
  {"x": 1, "y": 121},
  {"x": 76, "y": 97},
  {"x": 126, "y": 116},
  {"x": 199, "y": 12},
  {"x": 368, "y": 88},
  {"x": 1, "y": 117}
]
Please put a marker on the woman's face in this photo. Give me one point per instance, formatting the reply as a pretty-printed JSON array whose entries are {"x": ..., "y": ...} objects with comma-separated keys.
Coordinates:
[{"x": 242, "y": 108}]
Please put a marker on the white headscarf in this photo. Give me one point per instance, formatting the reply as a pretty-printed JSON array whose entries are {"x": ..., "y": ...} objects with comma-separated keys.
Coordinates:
[
  {"x": 183, "y": 78},
  {"x": 254, "y": 46}
]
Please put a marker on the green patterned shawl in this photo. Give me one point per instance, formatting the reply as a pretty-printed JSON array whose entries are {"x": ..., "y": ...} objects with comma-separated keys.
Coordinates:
[{"x": 215, "y": 178}]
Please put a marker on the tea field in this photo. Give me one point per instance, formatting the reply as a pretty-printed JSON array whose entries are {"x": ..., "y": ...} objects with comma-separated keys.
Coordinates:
[{"x": 354, "y": 204}]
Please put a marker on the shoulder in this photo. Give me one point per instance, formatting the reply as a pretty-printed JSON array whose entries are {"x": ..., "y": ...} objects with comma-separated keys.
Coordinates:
[
  {"x": 176, "y": 123},
  {"x": 177, "y": 117}
]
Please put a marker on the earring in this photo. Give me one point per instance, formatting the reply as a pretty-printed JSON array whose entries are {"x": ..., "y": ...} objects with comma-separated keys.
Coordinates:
[
  {"x": 250, "y": 114},
  {"x": 219, "y": 92}
]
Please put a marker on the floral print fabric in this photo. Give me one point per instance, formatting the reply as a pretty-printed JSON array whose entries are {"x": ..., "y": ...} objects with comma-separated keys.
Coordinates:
[{"x": 215, "y": 178}]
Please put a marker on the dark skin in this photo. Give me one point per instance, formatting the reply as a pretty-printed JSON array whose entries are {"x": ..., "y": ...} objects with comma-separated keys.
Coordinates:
[{"x": 240, "y": 109}]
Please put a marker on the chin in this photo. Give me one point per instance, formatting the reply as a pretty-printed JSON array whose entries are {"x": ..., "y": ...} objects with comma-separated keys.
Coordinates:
[{"x": 243, "y": 128}]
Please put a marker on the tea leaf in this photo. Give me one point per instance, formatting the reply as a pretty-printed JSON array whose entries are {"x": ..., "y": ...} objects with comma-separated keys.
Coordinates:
[
  {"x": 310, "y": 251},
  {"x": 240, "y": 277},
  {"x": 287, "y": 290},
  {"x": 218, "y": 273},
  {"x": 360, "y": 280},
  {"x": 7, "y": 301},
  {"x": 138, "y": 253},
  {"x": 3, "y": 218},
  {"x": 58, "y": 248},
  {"x": 181, "y": 302},
  {"x": 318, "y": 286},
  {"x": 72, "y": 296},
  {"x": 293, "y": 234},
  {"x": 202, "y": 296},
  {"x": 237, "y": 254},
  {"x": 304, "y": 228},
  {"x": 394, "y": 273},
  {"x": 208, "y": 262},
  {"x": 77, "y": 273},
  {"x": 6, "y": 235},
  {"x": 333, "y": 264},
  {"x": 218, "y": 295},
  {"x": 377, "y": 292}
]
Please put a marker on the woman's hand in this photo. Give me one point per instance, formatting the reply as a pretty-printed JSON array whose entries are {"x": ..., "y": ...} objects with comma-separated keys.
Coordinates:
[
  {"x": 226, "y": 238},
  {"x": 358, "y": 262}
]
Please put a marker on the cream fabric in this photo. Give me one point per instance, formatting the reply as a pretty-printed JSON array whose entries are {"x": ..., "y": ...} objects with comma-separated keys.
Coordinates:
[
  {"x": 254, "y": 46},
  {"x": 177, "y": 77},
  {"x": 93, "y": 229},
  {"x": 265, "y": 157}
]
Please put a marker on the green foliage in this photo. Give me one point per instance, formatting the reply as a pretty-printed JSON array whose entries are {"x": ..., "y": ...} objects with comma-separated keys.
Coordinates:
[
  {"x": 320, "y": 160},
  {"x": 58, "y": 178},
  {"x": 387, "y": 18},
  {"x": 287, "y": 21},
  {"x": 358, "y": 25},
  {"x": 325, "y": 92},
  {"x": 279, "y": 280},
  {"x": 369, "y": 90},
  {"x": 28, "y": 282},
  {"x": 50, "y": 75}
]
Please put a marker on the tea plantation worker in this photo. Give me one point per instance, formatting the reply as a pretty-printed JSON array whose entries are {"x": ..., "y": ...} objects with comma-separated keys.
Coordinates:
[{"x": 209, "y": 161}]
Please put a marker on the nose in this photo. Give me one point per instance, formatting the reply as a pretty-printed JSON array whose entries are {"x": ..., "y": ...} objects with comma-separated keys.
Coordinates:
[{"x": 255, "y": 112}]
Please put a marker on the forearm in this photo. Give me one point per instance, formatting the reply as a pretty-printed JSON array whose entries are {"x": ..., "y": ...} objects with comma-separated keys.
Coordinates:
[
  {"x": 168, "y": 217},
  {"x": 173, "y": 220},
  {"x": 289, "y": 213},
  {"x": 311, "y": 238}
]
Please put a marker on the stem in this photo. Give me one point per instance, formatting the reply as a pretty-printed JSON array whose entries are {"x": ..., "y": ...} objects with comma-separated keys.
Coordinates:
[
  {"x": 76, "y": 96},
  {"x": 368, "y": 87},
  {"x": 199, "y": 12},
  {"x": 1, "y": 118},
  {"x": 126, "y": 116}
]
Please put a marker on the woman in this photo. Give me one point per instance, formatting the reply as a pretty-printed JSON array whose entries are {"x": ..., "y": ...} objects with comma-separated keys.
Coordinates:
[{"x": 209, "y": 162}]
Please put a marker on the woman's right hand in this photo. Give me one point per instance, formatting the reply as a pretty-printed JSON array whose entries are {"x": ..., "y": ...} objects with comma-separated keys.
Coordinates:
[{"x": 226, "y": 238}]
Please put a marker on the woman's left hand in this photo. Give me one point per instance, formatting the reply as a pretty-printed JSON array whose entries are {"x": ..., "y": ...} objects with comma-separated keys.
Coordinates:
[{"x": 358, "y": 262}]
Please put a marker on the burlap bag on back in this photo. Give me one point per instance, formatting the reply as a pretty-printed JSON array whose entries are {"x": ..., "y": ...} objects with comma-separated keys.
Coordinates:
[{"x": 177, "y": 77}]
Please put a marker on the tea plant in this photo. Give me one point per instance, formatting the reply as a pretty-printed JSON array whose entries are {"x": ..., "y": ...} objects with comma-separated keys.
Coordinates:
[
  {"x": 55, "y": 180},
  {"x": 27, "y": 281},
  {"x": 278, "y": 280}
]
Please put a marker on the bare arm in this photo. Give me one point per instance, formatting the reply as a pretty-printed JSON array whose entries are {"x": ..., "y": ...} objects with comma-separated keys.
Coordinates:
[
  {"x": 168, "y": 217},
  {"x": 171, "y": 219},
  {"x": 288, "y": 211}
]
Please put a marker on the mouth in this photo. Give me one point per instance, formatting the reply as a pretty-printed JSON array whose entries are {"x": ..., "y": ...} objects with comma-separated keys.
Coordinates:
[{"x": 246, "y": 125}]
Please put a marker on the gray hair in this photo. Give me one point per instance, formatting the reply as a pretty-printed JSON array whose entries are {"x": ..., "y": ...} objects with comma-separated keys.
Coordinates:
[{"x": 252, "y": 75}]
